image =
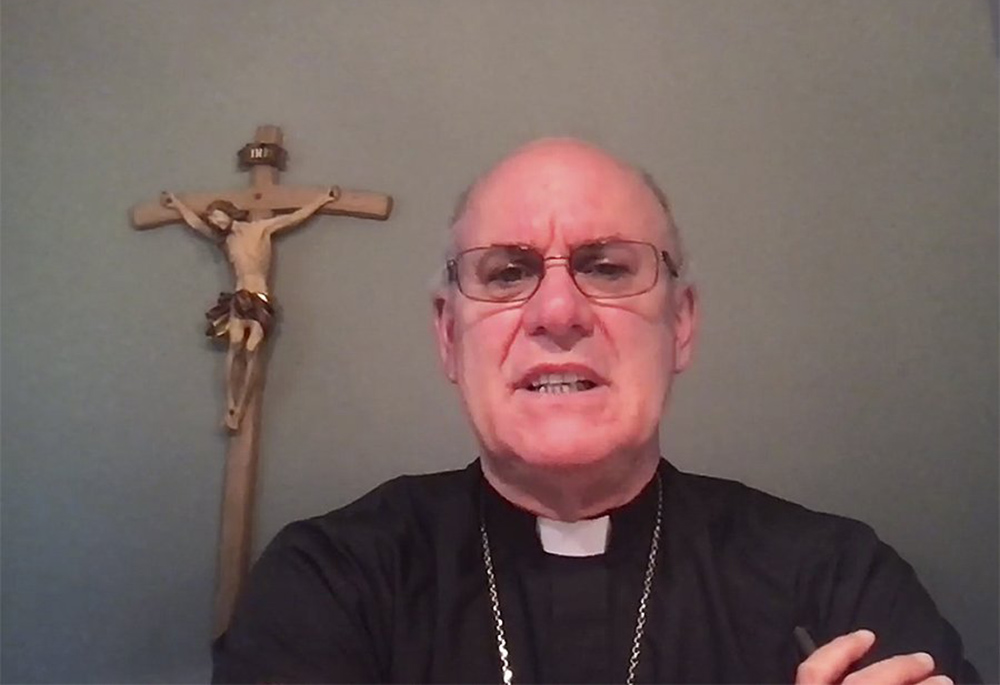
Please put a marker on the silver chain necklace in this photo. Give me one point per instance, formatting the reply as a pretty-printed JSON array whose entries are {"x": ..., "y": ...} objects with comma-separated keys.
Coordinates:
[{"x": 640, "y": 623}]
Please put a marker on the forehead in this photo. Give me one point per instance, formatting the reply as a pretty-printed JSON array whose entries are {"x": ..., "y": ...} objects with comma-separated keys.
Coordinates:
[{"x": 558, "y": 194}]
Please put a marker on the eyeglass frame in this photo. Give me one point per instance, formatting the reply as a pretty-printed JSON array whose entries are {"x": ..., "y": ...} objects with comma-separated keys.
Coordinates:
[{"x": 451, "y": 267}]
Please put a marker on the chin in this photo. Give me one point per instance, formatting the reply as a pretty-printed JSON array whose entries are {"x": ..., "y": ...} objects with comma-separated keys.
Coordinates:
[{"x": 562, "y": 449}]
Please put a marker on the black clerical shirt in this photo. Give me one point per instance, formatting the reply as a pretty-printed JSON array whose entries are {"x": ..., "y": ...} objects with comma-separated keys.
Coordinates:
[{"x": 393, "y": 588}]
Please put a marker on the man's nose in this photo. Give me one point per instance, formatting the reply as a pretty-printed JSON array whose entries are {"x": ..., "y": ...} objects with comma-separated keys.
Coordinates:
[{"x": 558, "y": 310}]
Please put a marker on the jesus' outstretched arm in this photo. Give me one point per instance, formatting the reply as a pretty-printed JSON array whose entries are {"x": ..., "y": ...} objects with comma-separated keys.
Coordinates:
[
  {"x": 191, "y": 218},
  {"x": 286, "y": 221}
]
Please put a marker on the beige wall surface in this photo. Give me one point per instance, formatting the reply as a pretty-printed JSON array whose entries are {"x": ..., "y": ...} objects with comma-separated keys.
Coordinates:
[{"x": 833, "y": 164}]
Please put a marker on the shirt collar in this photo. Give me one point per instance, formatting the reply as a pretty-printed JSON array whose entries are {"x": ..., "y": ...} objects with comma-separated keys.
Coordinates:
[{"x": 513, "y": 531}]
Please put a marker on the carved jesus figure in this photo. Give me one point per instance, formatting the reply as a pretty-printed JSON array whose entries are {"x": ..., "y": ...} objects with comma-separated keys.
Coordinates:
[{"x": 244, "y": 316}]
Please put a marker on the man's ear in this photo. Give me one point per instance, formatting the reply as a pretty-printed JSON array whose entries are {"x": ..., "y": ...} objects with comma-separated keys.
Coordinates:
[
  {"x": 686, "y": 321},
  {"x": 444, "y": 327}
]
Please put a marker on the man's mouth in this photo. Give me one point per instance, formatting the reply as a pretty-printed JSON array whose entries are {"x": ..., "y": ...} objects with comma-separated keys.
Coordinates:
[{"x": 557, "y": 383}]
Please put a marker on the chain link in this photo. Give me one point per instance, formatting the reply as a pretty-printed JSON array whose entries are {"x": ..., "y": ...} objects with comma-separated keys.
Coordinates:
[
  {"x": 508, "y": 675},
  {"x": 640, "y": 623},
  {"x": 647, "y": 585}
]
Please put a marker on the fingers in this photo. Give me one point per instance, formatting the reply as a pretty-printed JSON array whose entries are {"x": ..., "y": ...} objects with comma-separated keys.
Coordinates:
[
  {"x": 905, "y": 668},
  {"x": 832, "y": 661},
  {"x": 937, "y": 680}
]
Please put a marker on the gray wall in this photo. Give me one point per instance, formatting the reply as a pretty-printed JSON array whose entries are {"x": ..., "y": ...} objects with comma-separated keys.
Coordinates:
[{"x": 834, "y": 165}]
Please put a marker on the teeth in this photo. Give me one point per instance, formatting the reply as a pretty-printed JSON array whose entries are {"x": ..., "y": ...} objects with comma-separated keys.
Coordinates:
[
  {"x": 557, "y": 383},
  {"x": 557, "y": 378},
  {"x": 558, "y": 388}
]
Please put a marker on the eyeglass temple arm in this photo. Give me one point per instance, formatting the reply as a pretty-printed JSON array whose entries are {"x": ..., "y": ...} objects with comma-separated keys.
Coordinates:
[{"x": 671, "y": 266}]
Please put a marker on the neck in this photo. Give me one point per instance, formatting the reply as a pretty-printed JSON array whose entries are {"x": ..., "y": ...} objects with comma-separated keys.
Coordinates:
[{"x": 571, "y": 493}]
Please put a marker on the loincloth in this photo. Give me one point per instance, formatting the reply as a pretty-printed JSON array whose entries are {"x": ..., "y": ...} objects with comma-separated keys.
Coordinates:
[{"x": 243, "y": 304}]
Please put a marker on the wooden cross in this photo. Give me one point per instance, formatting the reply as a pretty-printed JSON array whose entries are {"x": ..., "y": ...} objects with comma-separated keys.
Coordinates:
[{"x": 262, "y": 201}]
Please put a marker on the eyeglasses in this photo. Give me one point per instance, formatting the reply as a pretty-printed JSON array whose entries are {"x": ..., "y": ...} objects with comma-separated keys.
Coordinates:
[{"x": 512, "y": 273}]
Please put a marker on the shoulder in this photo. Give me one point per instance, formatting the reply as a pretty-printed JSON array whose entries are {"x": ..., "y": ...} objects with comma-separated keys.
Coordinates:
[
  {"x": 394, "y": 516},
  {"x": 722, "y": 506},
  {"x": 769, "y": 540},
  {"x": 831, "y": 573},
  {"x": 319, "y": 602},
  {"x": 407, "y": 496},
  {"x": 347, "y": 562}
]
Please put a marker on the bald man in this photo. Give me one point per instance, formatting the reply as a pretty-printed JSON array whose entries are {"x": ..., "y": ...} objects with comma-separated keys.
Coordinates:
[{"x": 571, "y": 551}]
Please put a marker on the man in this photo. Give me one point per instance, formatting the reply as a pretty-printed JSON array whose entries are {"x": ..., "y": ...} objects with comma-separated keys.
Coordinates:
[
  {"x": 245, "y": 316},
  {"x": 571, "y": 551}
]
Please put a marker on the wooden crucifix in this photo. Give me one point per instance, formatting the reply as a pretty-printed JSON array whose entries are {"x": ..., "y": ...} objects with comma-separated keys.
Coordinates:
[{"x": 242, "y": 223}]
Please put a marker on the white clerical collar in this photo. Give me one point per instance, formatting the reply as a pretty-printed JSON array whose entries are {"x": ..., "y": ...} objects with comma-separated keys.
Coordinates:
[{"x": 585, "y": 538}]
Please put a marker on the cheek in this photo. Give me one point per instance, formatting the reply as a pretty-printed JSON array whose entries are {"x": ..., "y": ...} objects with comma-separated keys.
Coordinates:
[
  {"x": 483, "y": 347},
  {"x": 643, "y": 350}
]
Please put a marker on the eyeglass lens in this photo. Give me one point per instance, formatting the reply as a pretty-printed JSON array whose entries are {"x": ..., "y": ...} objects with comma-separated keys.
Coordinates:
[{"x": 503, "y": 273}]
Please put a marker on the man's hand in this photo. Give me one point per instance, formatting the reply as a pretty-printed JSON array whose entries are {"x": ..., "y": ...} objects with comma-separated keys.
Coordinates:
[{"x": 832, "y": 662}]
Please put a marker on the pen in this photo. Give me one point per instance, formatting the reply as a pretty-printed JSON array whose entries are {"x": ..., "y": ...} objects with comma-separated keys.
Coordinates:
[{"x": 806, "y": 644}]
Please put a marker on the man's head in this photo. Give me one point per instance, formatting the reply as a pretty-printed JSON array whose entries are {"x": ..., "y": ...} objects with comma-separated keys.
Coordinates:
[
  {"x": 564, "y": 379},
  {"x": 220, "y": 215}
]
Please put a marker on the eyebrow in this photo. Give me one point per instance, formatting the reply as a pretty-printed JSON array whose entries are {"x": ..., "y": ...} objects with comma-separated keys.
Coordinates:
[{"x": 617, "y": 235}]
